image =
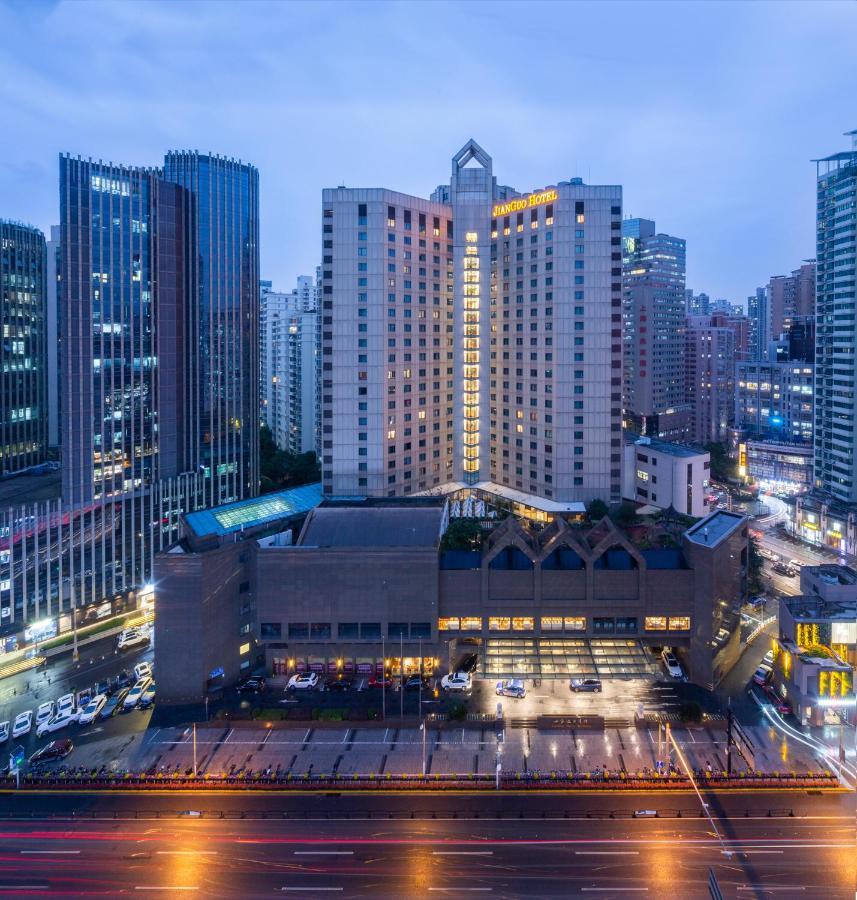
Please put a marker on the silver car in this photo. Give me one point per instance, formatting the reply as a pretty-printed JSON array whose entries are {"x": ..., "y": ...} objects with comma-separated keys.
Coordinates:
[
  {"x": 586, "y": 685},
  {"x": 512, "y": 688}
]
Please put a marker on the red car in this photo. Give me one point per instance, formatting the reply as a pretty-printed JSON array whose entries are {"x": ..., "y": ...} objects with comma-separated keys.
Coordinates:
[
  {"x": 376, "y": 682},
  {"x": 783, "y": 707}
]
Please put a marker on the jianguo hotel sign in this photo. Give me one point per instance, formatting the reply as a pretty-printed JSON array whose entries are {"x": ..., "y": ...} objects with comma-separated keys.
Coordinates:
[{"x": 503, "y": 209}]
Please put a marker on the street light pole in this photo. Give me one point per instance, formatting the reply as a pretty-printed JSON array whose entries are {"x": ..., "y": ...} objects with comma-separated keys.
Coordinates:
[
  {"x": 401, "y": 675},
  {"x": 383, "y": 678},
  {"x": 194, "y": 749}
]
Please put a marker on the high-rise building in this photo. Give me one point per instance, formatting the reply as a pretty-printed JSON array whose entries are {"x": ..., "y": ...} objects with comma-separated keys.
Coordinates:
[
  {"x": 23, "y": 350},
  {"x": 289, "y": 344},
  {"x": 697, "y": 304},
  {"x": 759, "y": 324},
  {"x": 220, "y": 404},
  {"x": 653, "y": 276},
  {"x": 710, "y": 379},
  {"x": 774, "y": 400},
  {"x": 740, "y": 325},
  {"x": 472, "y": 341},
  {"x": 836, "y": 337},
  {"x": 54, "y": 332},
  {"x": 790, "y": 296}
]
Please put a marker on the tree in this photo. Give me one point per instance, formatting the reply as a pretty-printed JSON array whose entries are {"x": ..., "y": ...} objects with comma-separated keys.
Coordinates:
[
  {"x": 462, "y": 534},
  {"x": 723, "y": 468},
  {"x": 279, "y": 469},
  {"x": 597, "y": 510},
  {"x": 755, "y": 585}
]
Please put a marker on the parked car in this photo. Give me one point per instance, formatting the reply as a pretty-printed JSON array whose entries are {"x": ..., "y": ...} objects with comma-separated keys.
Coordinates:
[
  {"x": 114, "y": 704},
  {"x": 303, "y": 681},
  {"x": 65, "y": 704},
  {"x": 44, "y": 712},
  {"x": 376, "y": 681},
  {"x": 57, "y": 722},
  {"x": 90, "y": 712},
  {"x": 785, "y": 570},
  {"x": 588, "y": 685},
  {"x": 416, "y": 683},
  {"x": 4, "y": 732},
  {"x": 132, "y": 637},
  {"x": 105, "y": 686},
  {"x": 757, "y": 602},
  {"x": 142, "y": 670},
  {"x": 457, "y": 682},
  {"x": 124, "y": 679},
  {"x": 720, "y": 638},
  {"x": 132, "y": 698},
  {"x": 253, "y": 685},
  {"x": 762, "y": 674},
  {"x": 511, "y": 688},
  {"x": 23, "y": 723},
  {"x": 148, "y": 698},
  {"x": 768, "y": 659},
  {"x": 342, "y": 683},
  {"x": 671, "y": 664},
  {"x": 795, "y": 564},
  {"x": 55, "y": 750}
]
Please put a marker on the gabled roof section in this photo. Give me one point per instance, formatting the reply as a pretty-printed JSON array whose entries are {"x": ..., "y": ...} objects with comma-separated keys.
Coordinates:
[
  {"x": 558, "y": 535},
  {"x": 510, "y": 533},
  {"x": 609, "y": 536},
  {"x": 471, "y": 150}
]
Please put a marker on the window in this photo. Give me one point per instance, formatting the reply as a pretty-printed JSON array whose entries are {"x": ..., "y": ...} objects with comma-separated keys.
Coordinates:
[
  {"x": 656, "y": 623},
  {"x": 471, "y": 623},
  {"x": 319, "y": 630},
  {"x": 679, "y": 623},
  {"x": 370, "y": 629},
  {"x": 420, "y": 629},
  {"x": 348, "y": 630},
  {"x": 626, "y": 625},
  {"x": 551, "y": 623},
  {"x": 244, "y": 648},
  {"x": 397, "y": 629},
  {"x": 499, "y": 623},
  {"x": 271, "y": 630},
  {"x": 523, "y": 623},
  {"x": 449, "y": 623},
  {"x": 603, "y": 625},
  {"x": 575, "y": 623},
  {"x": 298, "y": 630}
]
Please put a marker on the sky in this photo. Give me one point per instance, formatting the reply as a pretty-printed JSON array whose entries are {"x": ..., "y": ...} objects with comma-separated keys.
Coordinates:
[{"x": 708, "y": 114}]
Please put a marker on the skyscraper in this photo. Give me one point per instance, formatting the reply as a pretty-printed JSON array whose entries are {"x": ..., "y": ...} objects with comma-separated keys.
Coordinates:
[
  {"x": 836, "y": 338},
  {"x": 483, "y": 351},
  {"x": 289, "y": 361},
  {"x": 23, "y": 349},
  {"x": 653, "y": 274},
  {"x": 710, "y": 379},
  {"x": 760, "y": 323},
  {"x": 54, "y": 332},
  {"x": 220, "y": 403},
  {"x": 790, "y": 297}
]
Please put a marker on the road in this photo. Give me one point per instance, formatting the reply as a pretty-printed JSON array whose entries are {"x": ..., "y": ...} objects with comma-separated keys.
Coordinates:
[{"x": 514, "y": 845}]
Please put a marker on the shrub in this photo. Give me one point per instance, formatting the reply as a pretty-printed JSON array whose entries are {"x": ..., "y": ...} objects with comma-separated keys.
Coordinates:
[
  {"x": 690, "y": 712},
  {"x": 457, "y": 712}
]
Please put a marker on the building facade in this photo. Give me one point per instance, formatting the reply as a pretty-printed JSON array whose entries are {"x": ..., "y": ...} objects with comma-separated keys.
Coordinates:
[
  {"x": 472, "y": 339},
  {"x": 54, "y": 331},
  {"x": 759, "y": 323},
  {"x": 24, "y": 347},
  {"x": 372, "y": 580},
  {"x": 791, "y": 296},
  {"x": 290, "y": 361},
  {"x": 836, "y": 337},
  {"x": 778, "y": 467},
  {"x": 710, "y": 379},
  {"x": 774, "y": 401},
  {"x": 653, "y": 331},
  {"x": 665, "y": 474}
]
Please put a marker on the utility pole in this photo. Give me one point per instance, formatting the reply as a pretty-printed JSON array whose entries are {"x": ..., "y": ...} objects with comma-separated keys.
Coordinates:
[
  {"x": 383, "y": 678},
  {"x": 401, "y": 675},
  {"x": 194, "y": 749},
  {"x": 729, "y": 737}
]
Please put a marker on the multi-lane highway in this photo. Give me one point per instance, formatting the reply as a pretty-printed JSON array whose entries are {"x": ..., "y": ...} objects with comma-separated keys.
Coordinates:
[{"x": 512, "y": 845}]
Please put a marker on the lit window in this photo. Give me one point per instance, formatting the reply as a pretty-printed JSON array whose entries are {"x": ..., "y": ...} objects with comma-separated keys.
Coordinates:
[
  {"x": 642, "y": 476},
  {"x": 449, "y": 624},
  {"x": 522, "y": 623},
  {"x": 575, "y": 623},
  {"x": 499, "y": 623},
  {"x": 551, "y": 623},
  {"x": 656, "y": 623},
  {"x": 244, "y": 648},
  {"x": 471, "y": 623},
  {"x": 679, "y": 623}
]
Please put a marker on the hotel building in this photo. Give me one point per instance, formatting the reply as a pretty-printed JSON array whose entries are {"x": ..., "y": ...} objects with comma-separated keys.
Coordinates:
[{"x": 472, "y": 341}]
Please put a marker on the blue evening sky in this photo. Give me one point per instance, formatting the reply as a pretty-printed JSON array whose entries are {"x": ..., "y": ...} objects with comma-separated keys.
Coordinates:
[{"x": 707, "y": 113}]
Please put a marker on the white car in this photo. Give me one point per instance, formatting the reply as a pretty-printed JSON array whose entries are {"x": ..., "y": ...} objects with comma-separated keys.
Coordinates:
[
  {"x": 4, "y": 732},
  {"x": 44, "y": 712},
  {"x": 90, "y": 713},
  {"x": 762, "y": 674},
  {"x": 671, "y": 664},
  {"x": 133, "y": 696},
  {"x": 794, "y": 564},
  {"x": 142, "y": 670},
  {"x": 55, "y": 724},
  {"x": 512, "y": 688},
  {"x": 769, "y": 658},
  {"x": 303, "y": 681},
  {"x": 457, "y": 681},
  {"x": 22, "y": 724},
  {"x": 132, "y": 637},
  {"x": 65, "y": 704}
]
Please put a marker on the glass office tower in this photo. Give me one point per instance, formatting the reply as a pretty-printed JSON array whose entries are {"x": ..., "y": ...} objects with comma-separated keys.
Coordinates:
[
  {"x": 221, "y": 400},
  {"x": 23, "y": 349}
]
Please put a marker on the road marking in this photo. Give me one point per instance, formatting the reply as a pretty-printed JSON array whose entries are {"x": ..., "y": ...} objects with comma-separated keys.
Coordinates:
[
  {"x": 462, "y": 853},
  {"x": 185, "y": 852},
  {"x": 765, "y": 889},
  {"x": 759, "y": 851},
  {"x": 459, "y": 890},
  {"x": 324, "y": 853},
  {"x": 606, "y": 852},
  {"x": 304, "y": 889},
  {"x": 34, "y": 852},
  {"x": 24, "y": 887},
  {"x": 611, "y": 889},
  {"x": 167, "y": 887}
]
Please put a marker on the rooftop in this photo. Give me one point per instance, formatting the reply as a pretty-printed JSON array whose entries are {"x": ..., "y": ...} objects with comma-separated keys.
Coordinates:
[
  {"x": 533, "y": 501},
  {"x": 714, "y": 528},
  {"x": 805, "y": 607},
  {"x": 680, "y": 450},
  {"x": 374, "y": 526},
  {"x": 831, "y": 573},
  {"x": 231, "y": 517}
]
